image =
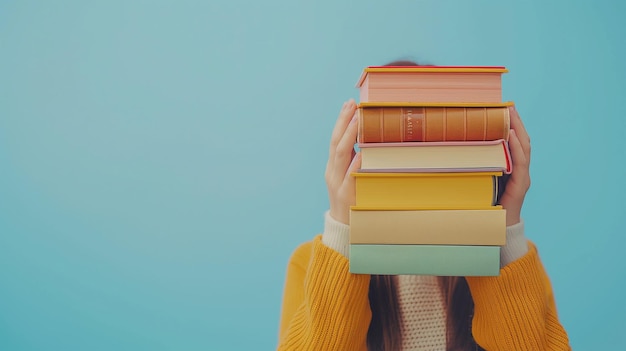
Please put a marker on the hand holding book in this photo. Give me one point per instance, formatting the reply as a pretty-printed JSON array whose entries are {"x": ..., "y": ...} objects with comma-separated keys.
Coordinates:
[
  {"x": 519, "y": 181},
  {"x": 342, "y": 161}
]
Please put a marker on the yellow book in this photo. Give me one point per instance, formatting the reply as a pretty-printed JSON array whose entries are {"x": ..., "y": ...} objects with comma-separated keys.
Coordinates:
[{"x": 458, "y": 190}]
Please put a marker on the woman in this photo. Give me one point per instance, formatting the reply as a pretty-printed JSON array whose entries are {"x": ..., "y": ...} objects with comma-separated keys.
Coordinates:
[{"x": 325, "y": 307}]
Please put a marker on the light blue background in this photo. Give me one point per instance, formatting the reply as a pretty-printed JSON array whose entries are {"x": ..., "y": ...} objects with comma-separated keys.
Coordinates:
[{"x": 160, "y": 160}]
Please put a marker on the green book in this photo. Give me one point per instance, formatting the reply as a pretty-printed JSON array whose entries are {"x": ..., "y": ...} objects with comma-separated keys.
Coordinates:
[{"x": 439, "y": 260}]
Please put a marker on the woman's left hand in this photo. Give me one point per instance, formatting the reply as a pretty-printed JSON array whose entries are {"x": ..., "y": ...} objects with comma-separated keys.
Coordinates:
[{"x": 519, "y": 182}]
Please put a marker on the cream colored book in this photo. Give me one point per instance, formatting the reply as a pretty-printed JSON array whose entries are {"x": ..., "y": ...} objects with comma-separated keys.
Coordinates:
[
  {"x": 432, "y": 227},
  {"x": 436, "y": 157}
]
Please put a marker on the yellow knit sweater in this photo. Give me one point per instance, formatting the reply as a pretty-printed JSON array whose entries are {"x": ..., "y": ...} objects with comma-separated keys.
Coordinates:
[{"x": 325, "y": 307}]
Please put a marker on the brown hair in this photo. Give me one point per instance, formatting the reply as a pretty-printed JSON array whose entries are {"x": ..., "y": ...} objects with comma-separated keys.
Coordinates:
[{"x": 385, "y": 331}]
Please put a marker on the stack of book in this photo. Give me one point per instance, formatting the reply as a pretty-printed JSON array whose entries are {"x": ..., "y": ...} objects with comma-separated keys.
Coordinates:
[{"x": 434, "y": 144}]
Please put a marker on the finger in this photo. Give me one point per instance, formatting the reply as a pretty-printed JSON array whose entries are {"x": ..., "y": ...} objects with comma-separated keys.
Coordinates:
[
  {"x": 354, "y": 167},
  {"x": 338, "y": 131},
  {"x": 346, "y": 113},
  {"x": 327, "y": 173},
  {"x": 345, "y": 148},
  {"x": 518, "y": 156},
  {"x": 521, "y": 133},
  {"x": 518, "y": 125}
]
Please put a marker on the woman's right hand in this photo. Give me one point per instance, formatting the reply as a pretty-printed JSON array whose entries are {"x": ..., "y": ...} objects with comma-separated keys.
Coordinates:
[{"x": 342, "y": 161}]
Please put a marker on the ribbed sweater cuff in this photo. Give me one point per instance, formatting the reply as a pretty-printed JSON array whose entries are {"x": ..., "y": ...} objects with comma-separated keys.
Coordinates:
[
  {"x": 516, "y": 244},
  {"x": 336, "y": 235}
]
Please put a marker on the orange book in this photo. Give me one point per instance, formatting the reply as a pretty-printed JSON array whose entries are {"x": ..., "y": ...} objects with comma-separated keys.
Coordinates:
[
  {"x": 405, "y": 122},
  {"x": 478, "y": 84}
]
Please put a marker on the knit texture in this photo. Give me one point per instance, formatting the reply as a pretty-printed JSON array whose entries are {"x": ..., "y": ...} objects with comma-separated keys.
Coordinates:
[
  {"x": 517, "y": 308},
  {"x": 324, "y": 306},
  {"x": 516, "y": 244},
  {"x": 336, "y": 235},
  {"x": 422, "y": 313}
]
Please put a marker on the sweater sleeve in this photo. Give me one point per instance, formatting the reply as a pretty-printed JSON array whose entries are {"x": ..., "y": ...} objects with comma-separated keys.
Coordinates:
[
  {"x": 516, "y": 244},
  {"x": 336, "y": 235},
  {"x": 325, "y": 307},
  {"x": 516, "y": 310}
]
